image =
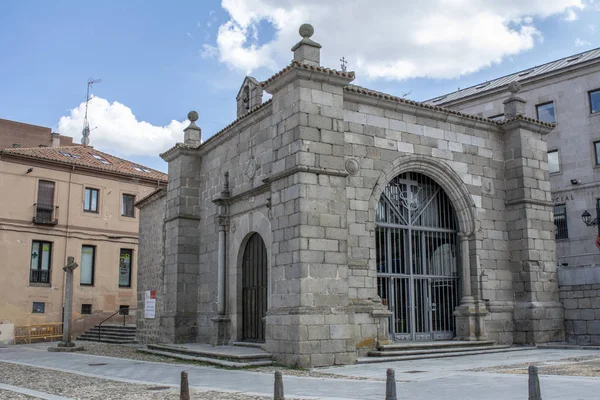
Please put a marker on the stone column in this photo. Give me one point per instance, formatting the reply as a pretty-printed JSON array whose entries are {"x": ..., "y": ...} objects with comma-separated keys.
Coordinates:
[
  {"x": 67, "y": 344},
  {"x": 220, "y": 335},
  {"x": 69, "y": 268},
  {"x": 470, "y": 314}
]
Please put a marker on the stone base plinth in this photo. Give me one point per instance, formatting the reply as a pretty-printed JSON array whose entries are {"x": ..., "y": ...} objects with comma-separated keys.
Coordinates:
[
  {"x": 220, "y": 335},
  {"x": 470, "y": 324},
  {"x": 538, "y": 322},
  {"x": 65, "y": 347}
]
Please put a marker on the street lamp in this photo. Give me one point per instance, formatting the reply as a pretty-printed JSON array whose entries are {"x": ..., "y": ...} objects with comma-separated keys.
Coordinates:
[{"x": 586, "y": 217}]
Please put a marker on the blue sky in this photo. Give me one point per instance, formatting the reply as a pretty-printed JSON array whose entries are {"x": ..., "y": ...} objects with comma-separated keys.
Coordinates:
[{"x": 158, "y": 60}]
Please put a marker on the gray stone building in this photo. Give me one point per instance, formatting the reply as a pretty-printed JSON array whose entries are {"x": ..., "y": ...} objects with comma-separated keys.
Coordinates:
[
  {"x": 565, "y": 92},
  {"x": 333, "y": 218}
]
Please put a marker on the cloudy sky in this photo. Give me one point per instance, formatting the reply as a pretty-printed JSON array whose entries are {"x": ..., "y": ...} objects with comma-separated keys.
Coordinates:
[{"x": 158, "y": 60}]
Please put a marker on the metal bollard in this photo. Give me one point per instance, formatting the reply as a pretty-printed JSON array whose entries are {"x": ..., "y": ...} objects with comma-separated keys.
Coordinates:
[
  {"x": 278, "y": 392},
  {"x": 184, "y": 393},
  {"x": 390, "y": 385},
  {"x": 534, "y": 384}
]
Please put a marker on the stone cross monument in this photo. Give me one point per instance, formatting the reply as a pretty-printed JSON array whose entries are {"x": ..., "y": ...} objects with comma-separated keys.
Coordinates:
[{"x": 67, "y": 344}]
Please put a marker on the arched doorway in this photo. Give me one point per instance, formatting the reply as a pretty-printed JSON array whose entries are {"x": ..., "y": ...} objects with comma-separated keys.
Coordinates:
[
  {"x": 417, "y": 258},
  {"x": 254, "y": 289}
]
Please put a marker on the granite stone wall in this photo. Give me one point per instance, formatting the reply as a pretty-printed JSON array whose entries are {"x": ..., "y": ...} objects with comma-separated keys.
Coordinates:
[
  {"x": 580, "y": 293},
  {"x": 151, "y": 273}
]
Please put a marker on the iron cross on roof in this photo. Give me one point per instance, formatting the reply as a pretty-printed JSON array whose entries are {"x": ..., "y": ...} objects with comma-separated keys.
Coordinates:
[{"x": 344, "y": 64}]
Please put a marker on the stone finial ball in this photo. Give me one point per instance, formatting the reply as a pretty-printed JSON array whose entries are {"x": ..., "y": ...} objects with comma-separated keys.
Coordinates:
[
  {"x": 193, "y": 116},
  {"x": 514, "y": 87},
  {"x": 306, "y": 30}
]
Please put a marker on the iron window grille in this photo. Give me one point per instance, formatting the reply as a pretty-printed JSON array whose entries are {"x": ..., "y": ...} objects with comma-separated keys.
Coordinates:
[
  {"x": 86, "y": 309},
  {"x": 560, "y": 222},
  {"x": 90, "y": 200},
  {"x": 38, "y": 307},
  {"x": 41, "y": 260}
]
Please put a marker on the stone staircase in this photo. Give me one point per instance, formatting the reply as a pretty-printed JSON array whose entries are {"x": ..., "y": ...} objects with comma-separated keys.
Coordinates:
[
  {"x": 116, "y": 334},
  {"x": 240, "y": 355},
  {"x": 405, "y": 351}
]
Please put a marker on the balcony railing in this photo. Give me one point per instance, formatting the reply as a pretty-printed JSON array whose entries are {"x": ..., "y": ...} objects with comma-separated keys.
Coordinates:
[
  {"x": 39, "y": 276},
  {"x": 45, "y": 214}
]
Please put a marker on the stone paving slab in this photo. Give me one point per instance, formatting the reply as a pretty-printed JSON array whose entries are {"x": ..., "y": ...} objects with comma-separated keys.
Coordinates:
[
  {"x": 32, "y": 393},
  {"x": 443, "y": 378}
]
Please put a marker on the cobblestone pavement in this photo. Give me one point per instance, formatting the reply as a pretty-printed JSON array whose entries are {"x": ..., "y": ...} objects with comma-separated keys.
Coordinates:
[
  {"x": 83, "y": 387},
  {"x": 572, "y": 366}
]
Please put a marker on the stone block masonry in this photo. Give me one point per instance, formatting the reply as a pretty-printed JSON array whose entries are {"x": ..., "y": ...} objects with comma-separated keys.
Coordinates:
[
  {"x": 579, "y": 290},
  {"x": 306, "y": 171}
]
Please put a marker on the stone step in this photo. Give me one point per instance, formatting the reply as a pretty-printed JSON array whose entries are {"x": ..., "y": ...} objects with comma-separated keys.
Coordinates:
[
  {"x": 209, "y": 360},
  {"x": 410, "y": 352},
  {"x": 94, "y": 331},
  {"x": 118, "y": 327},
  {"x": 212, "y": 353},
  {"x": 249, "y": 344},
  {"x": 106, "y": 339},
  {"x": 435, "y": 345},
  {"x": 370, "y": 360}
]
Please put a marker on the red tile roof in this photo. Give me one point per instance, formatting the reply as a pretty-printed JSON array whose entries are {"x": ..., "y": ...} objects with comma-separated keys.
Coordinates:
[{"x": 87, "y": 157}]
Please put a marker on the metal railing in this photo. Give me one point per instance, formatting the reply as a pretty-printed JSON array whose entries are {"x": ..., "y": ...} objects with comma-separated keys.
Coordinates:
[
  {"x": 45, "y": 214},
  {"x": 39, "y": 276},
  {"x": 123, "y": 311},
  {"x": 27, "y": 333}
]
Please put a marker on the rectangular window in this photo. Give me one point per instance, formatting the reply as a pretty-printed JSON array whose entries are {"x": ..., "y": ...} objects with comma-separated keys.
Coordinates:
[
  {"x": 545, "y": 112},
  {"x": 560, "y": 222},
  {"x": 41, "y": 257},
  {"x": 125, "y": 267},
  {"x": 44, "y": 208},
  {"x": 553, "y": 162},
  {"x": 594, "y": 101},
  {"x": 86, "y": 309},
  {"x": 88, "y": 261},
  {"x": 90, "y": 200},
  {"x": 597, "y": 150},
  {"x": 127, "y": 209},
  {"x": 38, "y": 307},
  {"x": 123, "y": 309}
]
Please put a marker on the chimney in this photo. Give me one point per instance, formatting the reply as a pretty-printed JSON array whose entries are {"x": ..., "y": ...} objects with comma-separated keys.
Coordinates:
[
  {"x": 306, "y": 50},
  {"x": 192, "y": 135},
  {"x": 514, "y": 105},
  {"x": 55, "y": 139}
]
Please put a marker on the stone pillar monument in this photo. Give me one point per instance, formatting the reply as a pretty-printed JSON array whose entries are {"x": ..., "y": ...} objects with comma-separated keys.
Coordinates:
[{"x": 67, "y": 344}]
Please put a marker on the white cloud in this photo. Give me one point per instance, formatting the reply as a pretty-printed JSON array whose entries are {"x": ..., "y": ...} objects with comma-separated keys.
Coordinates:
[
  {"x": 118, "y": 130},
  {"x": 581, "y": 43},
  {"x": 570, "y": 15},
  {"x": 592, "y": 28},
  {"x": 393, "y": 39}
]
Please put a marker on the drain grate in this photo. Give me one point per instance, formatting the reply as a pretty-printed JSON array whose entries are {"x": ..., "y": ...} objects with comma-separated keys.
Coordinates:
[
  {"x": 413, "y": 372},
  {"x": 97, "y": 364},
  {"x": 158, "y": 388}
]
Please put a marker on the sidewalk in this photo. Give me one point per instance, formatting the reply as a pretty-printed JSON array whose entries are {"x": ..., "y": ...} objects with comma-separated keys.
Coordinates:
[{"x": 442, "y": 378}]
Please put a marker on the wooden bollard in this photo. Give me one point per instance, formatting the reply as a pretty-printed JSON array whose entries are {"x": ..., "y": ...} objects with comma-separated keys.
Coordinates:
[
  {"x": 534, "y": 384},
  {"x": 184, "y": 393},
  {"x": 390, "y": 385},
  {"x": 278, "y": 390}
]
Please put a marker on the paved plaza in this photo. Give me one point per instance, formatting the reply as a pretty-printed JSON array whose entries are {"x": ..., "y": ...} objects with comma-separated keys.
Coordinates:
[{"x": 450, "y": 378}]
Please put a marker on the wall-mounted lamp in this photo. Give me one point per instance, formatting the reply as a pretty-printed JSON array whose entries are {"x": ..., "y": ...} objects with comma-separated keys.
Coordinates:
[
  {"x": 586, "y": 217},
  {"x": 575, "y": 181},
  {"x": 29, "y": 170}
]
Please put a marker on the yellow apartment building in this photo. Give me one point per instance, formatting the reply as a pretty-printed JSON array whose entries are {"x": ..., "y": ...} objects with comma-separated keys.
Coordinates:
[{"x": 65, "y": 201}]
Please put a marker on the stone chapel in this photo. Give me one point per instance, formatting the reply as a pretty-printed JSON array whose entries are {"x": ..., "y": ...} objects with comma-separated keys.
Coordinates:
[{"x": 332, "y": 219}]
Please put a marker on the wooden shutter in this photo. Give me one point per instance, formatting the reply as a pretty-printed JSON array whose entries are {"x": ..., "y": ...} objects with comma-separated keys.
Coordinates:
[{"x": 46, "y": 193}]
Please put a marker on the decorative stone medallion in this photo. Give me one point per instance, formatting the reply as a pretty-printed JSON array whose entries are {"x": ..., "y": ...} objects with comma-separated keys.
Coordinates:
[
  {"x": 251, "y": 168},
  {"x": 233, "y": 226},
  {"x": 352, "y": 166}
]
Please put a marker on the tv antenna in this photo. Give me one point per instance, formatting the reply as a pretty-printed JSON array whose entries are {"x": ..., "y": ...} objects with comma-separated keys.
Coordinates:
[{"x": 85, "y": 140}]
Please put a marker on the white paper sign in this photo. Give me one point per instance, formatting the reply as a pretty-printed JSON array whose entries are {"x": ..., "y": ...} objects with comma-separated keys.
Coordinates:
[{"x": 149, "y": 306}]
